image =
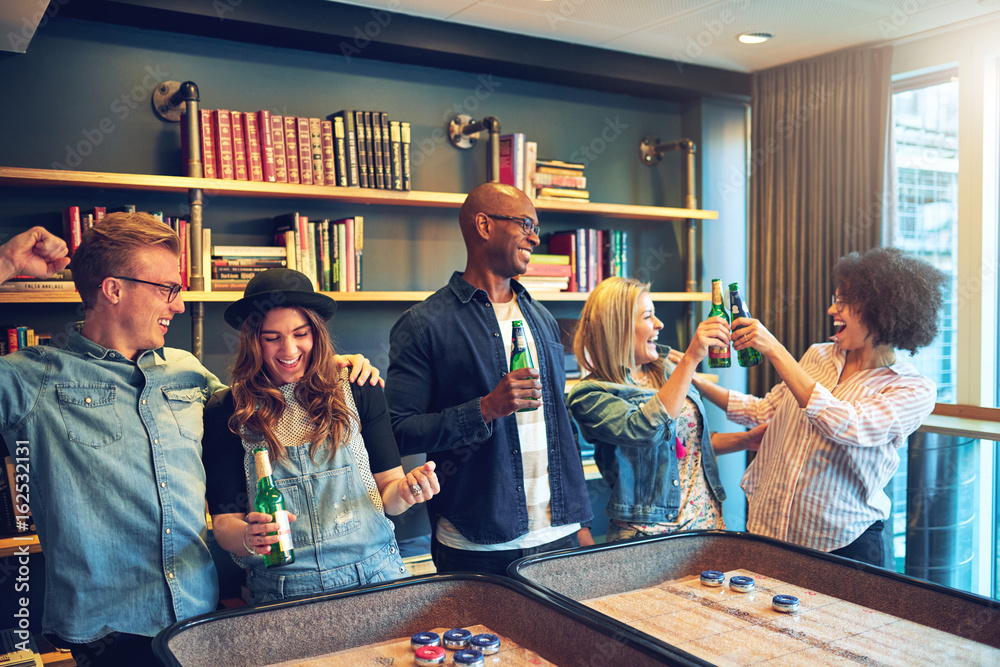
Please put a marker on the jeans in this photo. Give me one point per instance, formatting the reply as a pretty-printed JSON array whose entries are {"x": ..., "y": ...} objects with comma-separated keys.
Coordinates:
[
  {"x": 868, "y": 548},
  {"x": 447, "y": 559}
]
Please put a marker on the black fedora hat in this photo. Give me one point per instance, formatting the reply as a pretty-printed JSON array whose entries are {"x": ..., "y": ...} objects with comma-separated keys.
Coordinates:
[{"x": 278, "y": 288}]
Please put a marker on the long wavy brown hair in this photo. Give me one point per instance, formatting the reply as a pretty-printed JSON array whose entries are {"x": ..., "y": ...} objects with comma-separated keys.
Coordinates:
[
  {"x": 259, "y": 404},
  {"x": 605, "y": 336}
]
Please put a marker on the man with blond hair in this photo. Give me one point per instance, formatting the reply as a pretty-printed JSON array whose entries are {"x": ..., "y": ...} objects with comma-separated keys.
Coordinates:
[{"x": 111, "y": 426}]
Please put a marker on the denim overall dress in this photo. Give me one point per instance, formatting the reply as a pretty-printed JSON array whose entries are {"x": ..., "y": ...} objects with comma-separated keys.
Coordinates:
[{"x": 341, "y": 536}]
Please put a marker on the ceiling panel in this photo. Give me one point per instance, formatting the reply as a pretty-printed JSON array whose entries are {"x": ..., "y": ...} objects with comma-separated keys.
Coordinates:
[{"x": 704, "y": 31}]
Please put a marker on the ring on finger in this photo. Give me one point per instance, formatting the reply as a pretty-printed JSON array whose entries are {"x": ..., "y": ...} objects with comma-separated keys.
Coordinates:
[{"x": 416, "y": 489}]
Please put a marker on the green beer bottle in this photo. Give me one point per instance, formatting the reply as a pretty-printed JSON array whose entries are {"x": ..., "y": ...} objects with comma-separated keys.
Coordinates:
[
  {"x": 270, "y": 501},
  {"x": 719, "y": 357},
  {"x": 748, "y": 356},
  {"x": 520, "y": 355}
]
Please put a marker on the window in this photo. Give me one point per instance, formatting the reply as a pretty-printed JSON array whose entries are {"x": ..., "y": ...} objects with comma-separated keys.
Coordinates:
[
  {"x": 945, "y": 494},
  {"x": 925, "y": 142}
]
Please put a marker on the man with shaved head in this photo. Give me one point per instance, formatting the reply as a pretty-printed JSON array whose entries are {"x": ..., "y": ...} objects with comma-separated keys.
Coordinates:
[{"x": 511, "y": 482}]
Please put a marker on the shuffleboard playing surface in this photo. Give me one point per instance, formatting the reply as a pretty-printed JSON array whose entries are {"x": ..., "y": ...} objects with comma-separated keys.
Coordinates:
[{"x": 727, "y": 627}]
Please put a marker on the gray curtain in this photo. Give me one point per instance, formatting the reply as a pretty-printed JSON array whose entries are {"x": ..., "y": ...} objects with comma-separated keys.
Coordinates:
[{"x": 817, "y": 165}]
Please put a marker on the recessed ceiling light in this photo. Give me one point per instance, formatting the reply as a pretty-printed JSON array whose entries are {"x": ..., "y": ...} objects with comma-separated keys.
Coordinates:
[{"x": 754, "y": 37}]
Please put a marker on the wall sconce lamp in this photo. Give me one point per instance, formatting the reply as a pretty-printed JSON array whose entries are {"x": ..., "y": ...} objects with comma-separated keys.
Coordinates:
[{"x": 463, "y": 132}]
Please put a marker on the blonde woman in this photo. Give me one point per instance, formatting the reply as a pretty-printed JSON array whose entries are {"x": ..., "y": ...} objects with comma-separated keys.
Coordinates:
[{"x": 646, "y": 421}]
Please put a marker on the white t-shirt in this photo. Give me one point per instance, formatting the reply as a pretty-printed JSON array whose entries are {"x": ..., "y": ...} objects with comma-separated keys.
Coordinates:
[{"x": 534, "y": 461}]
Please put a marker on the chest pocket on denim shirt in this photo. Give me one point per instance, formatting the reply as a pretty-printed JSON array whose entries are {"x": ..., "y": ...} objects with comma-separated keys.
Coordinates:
[
  {"x": 329, "y": 499},
  {"x": 89, "y": 414},
  {"x": 186, "y": 405}
]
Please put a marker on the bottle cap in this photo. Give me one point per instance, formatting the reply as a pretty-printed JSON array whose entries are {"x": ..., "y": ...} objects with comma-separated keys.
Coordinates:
[
  {"x": 456, "y": 638},
  {"x": 741, "y": 584},
  {"x": 787, "y": 604},
  {"x": 470, "y": 657},
  {"x": 487, "y": 643},
  {"x": 425, "y": 639},
  {"x": 429, "y": 656},
  {"x": 713, "y": 578}
]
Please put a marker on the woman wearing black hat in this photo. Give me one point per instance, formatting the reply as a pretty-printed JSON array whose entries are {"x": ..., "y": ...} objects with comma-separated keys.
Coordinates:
[{"x": 330, "y": 443}]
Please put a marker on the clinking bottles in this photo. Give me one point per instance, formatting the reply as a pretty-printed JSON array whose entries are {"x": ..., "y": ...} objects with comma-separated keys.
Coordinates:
[
  {"x": 747, "y": 356},
  {"x": 520, "y": 355},
  {"x": 270, "y": 501},
  {"x": 719, "y": 357}
]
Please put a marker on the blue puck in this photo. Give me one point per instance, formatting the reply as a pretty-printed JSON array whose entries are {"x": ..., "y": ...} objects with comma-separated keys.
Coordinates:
[
  {"x": 456, "y": 638},
  {"x": 787, "y": 604},
  {"x": 487, "y": 643},
  {"x": 468, "y": 656},
  {"x": 425, "y": 639},
  {"x": 741, "y": 584},
  {"x": 713, "y": 578}
]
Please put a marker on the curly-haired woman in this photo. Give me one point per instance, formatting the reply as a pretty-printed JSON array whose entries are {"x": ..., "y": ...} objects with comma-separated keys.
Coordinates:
[{"x": 841, "y": 412}]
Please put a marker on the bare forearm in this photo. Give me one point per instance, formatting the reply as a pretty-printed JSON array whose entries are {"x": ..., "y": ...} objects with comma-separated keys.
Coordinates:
[
  {"x": 674, "y": 391},
  {"x": 229, "y": 530}
]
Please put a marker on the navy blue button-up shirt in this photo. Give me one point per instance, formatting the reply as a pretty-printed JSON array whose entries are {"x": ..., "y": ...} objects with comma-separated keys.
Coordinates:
[{"x": 445, "y": 354}]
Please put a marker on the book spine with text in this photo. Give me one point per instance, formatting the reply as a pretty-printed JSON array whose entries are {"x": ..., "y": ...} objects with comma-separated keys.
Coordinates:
[
  {"x": 255, "y": 160},
  {"x": 328, "y": 156},
  {"x": 304, "y": 139},
  {"x": 240, "y": 170},
  {"x": 207, "y": 144},
  {"x": 266, "y": 146},
  {"x": 396, "y": 155},
  {"x": 292, "y": 149},
  {"x": 350, "y": 147},
  {"x": 278, "y": 146},
  {"x": 404, "y": 143},
  {"x": 363, "y": 163},
  {"x": 223, "y": 127},
  {"x": 340, "y": 152},
  {"x": 374, "y": 118},
  {"x": 386, "y": 149}
]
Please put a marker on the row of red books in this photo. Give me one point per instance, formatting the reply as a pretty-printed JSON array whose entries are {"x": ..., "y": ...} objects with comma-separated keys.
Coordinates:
[{"x": 348, "y": 149}]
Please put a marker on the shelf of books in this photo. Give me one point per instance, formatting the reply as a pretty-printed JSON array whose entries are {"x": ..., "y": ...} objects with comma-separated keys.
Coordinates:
[{"x": 91, "y": 179}]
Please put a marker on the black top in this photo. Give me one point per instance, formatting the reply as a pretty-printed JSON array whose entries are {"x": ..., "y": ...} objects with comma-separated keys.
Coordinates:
[{"x": 222, "y": 450}]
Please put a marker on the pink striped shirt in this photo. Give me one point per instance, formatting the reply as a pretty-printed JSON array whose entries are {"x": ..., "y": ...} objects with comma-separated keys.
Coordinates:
[{"x": 819, "y": 477}]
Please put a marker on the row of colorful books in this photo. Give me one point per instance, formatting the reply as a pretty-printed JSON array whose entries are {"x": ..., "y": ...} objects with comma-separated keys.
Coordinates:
[
  {"x": 594, "y": 254},
  {"x": 15, "y": 337},
  {"x": 540, "y": 179},
  {"x": 348, "y": 149},
  {"x": 329, "y": 252}
]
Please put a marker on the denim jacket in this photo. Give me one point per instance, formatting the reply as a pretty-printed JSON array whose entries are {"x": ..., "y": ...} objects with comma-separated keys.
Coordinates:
[
  {"x": 445, "y": 354},
  {"x": 117, "y": 488},
  {"x": 633, "y": 438}
]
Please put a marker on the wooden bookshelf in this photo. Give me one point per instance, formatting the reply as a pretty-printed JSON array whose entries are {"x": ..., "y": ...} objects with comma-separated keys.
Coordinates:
[
  {"x": 71, "y": 296},
  {"x": 214, "y": 187}
]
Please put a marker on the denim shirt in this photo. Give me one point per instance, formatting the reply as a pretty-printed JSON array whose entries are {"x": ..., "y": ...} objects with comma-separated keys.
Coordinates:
[
  {"x": 445, "y": 354},
  {"x": 633, "y": 438},
  {"x": 117, "y": 488}
]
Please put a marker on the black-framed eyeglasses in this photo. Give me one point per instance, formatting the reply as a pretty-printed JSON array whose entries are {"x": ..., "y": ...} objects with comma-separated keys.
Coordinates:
[
  {"x": 172, "y": 290},
  {"x": 838, "y": 303},
  {"x": 527, "y": 224}
]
